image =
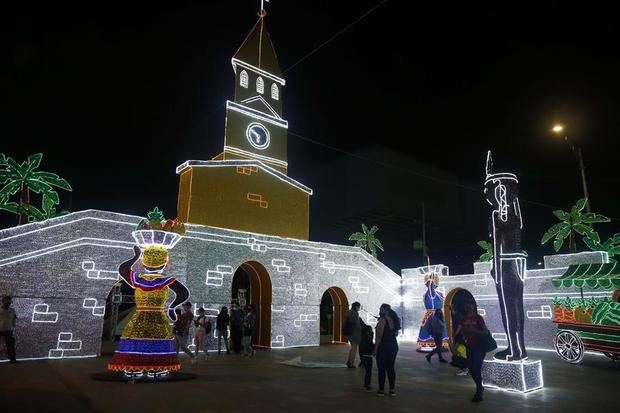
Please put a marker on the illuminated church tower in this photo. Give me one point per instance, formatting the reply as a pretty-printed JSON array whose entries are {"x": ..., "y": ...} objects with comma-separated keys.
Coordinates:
[{"x": 246, "y": 186}]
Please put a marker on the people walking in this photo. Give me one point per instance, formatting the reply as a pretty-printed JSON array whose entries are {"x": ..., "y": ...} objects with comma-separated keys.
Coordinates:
[
  {"x": 474, "y": 329},
  {"x": 221, "y": 326},
  {"x": 200, "y": 335},
  {"x": 236, "y": 331},
  {"x": 386, "y": 347},
  {"x": 249, "y": 322},
  {"x": 366, "y": 352},
  {"x": 8, "y": 319},
  {"x": 352, "y": 329},
  {"x": 181, "y": 329},
  {"x": 436, "y": 328}
]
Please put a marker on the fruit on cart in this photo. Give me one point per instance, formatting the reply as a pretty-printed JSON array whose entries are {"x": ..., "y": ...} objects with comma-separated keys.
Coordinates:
[
  {"x": 558, "y": 312},
  {"x": 607, "y": 313}
]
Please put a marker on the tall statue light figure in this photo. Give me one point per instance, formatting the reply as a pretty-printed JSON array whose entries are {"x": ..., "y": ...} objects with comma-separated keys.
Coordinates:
[
  {"x": 147, "y": 347},
  {"x": 502, "y": 193}
]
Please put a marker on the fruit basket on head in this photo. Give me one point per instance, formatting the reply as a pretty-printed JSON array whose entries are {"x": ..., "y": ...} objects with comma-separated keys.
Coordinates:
[{"x": 155, "y": 231}]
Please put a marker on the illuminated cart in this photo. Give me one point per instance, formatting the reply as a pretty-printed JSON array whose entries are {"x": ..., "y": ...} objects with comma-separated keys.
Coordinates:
[{"x": 591, "y": 323}]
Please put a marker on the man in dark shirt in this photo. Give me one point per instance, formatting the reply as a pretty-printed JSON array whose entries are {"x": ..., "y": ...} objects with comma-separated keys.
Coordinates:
[
  {"x": 221, "y": 325},
  {"x": 236, "y": 319},
  {"x": 181, "y": 329}
]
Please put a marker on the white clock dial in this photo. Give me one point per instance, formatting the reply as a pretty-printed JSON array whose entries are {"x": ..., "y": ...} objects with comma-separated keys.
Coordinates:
[{"x": 257, "y": 135}]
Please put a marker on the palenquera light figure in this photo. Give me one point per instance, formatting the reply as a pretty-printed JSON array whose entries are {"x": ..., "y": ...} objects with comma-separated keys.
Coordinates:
[
  {"x": 433, "y": 300},
  {"x": 147, "y": 345}
]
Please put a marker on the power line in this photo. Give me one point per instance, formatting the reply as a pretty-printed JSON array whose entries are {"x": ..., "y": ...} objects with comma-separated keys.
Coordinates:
[
  {"x": 411, "y": 172},
  {"x": 363, "y": 16}
]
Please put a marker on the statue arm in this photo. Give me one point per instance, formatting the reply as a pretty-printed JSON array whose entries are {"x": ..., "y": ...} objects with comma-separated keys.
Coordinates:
[
  {"x": 124, "y": 269},
  {"x": 181, "y": 295}
]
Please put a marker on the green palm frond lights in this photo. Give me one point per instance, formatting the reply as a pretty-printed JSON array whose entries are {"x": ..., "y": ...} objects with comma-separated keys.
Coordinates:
[
  {"x": 611, "y": 246},
  {"x": 367, "y": 240},
  {"x": 24, "y": 179},
  {"x": 574, "y": 222},
  {"x": 488, "y": 251}
]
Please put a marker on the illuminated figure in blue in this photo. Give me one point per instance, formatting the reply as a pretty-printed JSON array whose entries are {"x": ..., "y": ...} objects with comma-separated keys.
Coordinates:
[{"x": 433, "y": 300}]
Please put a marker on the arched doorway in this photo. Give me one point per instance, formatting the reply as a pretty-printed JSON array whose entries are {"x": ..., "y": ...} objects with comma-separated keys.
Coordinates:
[
  {"x": 454, "y": 308},
  {"x": 333, "y": 311},
  {"x": 251, "y": 284}
]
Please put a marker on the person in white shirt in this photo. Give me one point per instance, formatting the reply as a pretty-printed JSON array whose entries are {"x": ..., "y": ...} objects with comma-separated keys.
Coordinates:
[{"x": 8, "y": 318}]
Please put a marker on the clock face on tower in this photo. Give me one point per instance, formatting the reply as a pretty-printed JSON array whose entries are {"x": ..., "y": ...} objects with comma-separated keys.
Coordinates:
[{"x": 257, "y": 135}]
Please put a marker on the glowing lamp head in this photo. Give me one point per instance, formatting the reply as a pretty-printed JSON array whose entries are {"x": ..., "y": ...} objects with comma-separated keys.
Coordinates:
[
  {"x": 155, "y": 256},
  {"x": 558, "y": 129}
]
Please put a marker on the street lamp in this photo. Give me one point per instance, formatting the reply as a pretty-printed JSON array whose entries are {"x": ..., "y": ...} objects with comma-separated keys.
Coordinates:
[{"x": 559, "y": 130}]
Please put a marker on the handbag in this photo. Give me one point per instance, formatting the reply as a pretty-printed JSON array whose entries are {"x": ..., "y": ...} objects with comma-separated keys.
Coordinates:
[{"x": 487, "y": 342}]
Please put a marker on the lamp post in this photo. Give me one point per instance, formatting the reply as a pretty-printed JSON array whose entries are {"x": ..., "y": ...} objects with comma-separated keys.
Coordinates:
[{"x": 559, "y": 130}]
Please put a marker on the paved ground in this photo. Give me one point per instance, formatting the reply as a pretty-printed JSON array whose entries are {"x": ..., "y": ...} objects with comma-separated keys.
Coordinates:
[{"x": 261, "y": 384}]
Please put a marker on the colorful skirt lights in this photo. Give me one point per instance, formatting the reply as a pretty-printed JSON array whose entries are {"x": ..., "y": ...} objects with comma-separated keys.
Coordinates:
[
  {"x": 425, "y": 339},
  {"x": 147, "y": 344}
]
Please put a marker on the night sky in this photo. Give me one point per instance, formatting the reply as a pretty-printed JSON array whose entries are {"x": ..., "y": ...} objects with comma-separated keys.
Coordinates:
[{"x": 117, "y": 96}]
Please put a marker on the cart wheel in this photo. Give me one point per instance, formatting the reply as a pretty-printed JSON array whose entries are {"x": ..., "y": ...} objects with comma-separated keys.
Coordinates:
[{"x": 569, "y": 346}]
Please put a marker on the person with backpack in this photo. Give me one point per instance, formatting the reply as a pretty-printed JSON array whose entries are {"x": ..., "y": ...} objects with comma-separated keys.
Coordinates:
[
  {"x": 353, "y": 330},
  {"x": 386, "y": 347},
  {"x": 221, "y": 325},
  {"x": 366, "y": 349},
  {"x": 249, "y": 322},
  {"x": 436, "y": 328},
  {"x": 475, "y": 331}
]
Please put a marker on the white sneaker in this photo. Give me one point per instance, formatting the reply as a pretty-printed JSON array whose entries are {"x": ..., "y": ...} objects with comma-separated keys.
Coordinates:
[{"x": 463, "y": 372}]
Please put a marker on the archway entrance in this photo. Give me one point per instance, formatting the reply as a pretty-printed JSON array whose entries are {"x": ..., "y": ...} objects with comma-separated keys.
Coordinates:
[
  {"x": 454, "y": 308},
  {"x": 251, "y": 284},
  {"x": 333, "y": 311}
]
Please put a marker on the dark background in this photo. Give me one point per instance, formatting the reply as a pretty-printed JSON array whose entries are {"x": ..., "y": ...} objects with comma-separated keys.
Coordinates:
[{"x": 117, "y": 95}]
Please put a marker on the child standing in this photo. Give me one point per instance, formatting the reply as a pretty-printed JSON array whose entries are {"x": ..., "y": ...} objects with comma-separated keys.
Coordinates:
[{"x": 366, "y": 348}]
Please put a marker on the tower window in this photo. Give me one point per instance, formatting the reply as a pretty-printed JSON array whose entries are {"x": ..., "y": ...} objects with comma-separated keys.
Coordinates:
[
  {"x": 260, "y": 85},
  {"x": 275, "y": 92},
  {"x": 243, "y": 79}
]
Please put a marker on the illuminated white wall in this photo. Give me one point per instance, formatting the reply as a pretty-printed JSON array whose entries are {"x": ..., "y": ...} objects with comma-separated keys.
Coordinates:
[
  {"x": 61, "y": 271},
  {"x": 538, "y": 295}
]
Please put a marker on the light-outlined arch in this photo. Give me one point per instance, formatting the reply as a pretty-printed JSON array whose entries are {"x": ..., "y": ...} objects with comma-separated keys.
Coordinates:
[
  {"x": 453, "y": 303},
  {"x": 340, "y": 304},
  {"x": 261, "y": 298}
]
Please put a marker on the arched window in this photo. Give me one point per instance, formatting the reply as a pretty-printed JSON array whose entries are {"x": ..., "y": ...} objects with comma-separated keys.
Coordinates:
[
  {"x": 260, "y": 85},
  {"x": 243, "y": 79},
  {"x": 275, "y": 92}
]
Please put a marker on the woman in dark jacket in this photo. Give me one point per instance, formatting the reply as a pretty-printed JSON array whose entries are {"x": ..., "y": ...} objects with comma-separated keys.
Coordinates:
[
  {"x": 473, "y": 328},
  {"x": 386, "y": 347}
]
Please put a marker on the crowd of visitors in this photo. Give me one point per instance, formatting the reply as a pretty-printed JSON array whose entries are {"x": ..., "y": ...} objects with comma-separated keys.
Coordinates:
[
  {"x": 240, "y": 322},
  {"x": 469, "y": 344},
  {"x": 468, "y": 350}
]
